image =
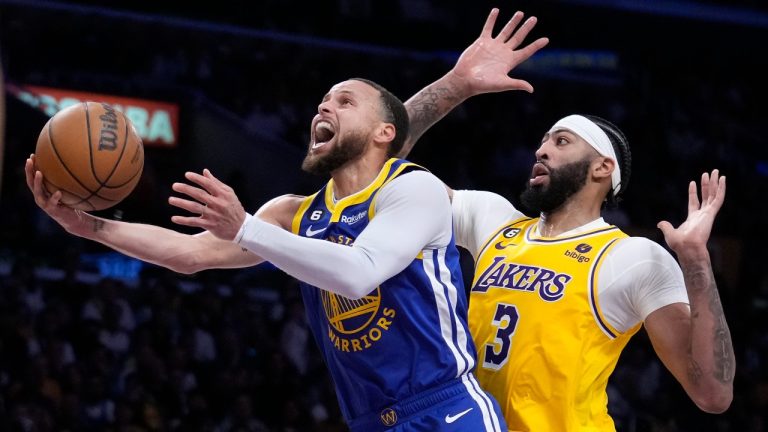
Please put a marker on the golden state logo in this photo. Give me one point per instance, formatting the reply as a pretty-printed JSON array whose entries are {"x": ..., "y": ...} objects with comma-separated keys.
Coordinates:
[
  {"x": 355, "y": 325},
  {"x": 388, "y": 417}
]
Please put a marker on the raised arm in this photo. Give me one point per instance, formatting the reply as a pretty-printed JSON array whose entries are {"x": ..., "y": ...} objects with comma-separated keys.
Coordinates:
[
  {"x": 179, "y": 252},
  {"x": 483, "y": 67},
  {"x": 696, "y": 345}
]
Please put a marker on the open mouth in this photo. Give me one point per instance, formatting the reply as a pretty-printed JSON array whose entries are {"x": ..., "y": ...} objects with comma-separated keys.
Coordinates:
[
  {"x": 538, "y": 173},
  {"x": 324, "y": 133}
]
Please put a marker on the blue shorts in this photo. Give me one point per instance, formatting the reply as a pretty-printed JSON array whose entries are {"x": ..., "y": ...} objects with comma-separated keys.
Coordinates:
[{"x": 458, "y": 406}]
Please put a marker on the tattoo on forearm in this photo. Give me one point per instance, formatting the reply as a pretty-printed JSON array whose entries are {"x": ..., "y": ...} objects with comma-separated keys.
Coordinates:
[
  {"x": 428, "y": 106},
  {"x": 694, "y": 370},
  {"x": 702, "y": 281},
  {"x": 725, "y": 364},
  {"x": 98, "y": 225}
]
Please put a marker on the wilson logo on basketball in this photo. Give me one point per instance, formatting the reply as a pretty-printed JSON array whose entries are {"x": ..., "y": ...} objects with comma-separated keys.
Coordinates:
[
  {"x": 108, "y": 133},
  {"x": 355, "y": 325}
]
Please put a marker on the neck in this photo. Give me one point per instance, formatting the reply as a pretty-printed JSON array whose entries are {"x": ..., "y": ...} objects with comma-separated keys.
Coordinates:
[
  {"x": 356, "y": 175},
  {"x": 578, "y": 210}
]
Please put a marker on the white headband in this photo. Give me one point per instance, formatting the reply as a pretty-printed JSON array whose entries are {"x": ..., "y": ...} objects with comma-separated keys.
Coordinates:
[{"x": 594, "y": 136}]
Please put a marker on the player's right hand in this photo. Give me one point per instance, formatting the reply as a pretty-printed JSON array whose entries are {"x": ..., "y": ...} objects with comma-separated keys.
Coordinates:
[
  {"x": 70, "y": 219},
  {"x": 485, "y": 65}
]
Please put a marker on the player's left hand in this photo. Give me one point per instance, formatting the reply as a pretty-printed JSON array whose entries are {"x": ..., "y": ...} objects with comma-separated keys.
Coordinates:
[
  {"x": 220, "y": 211},
  {"x": 694, "y": 232}
]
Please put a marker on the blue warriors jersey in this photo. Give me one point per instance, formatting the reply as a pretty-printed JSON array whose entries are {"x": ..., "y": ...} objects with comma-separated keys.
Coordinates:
[{"x": 406, "y": 336}]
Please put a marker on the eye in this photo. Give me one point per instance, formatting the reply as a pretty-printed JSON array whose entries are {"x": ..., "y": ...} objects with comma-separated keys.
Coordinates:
[
  {"x": 561, "y": 140},
  {"x": 346, "y": 101}
]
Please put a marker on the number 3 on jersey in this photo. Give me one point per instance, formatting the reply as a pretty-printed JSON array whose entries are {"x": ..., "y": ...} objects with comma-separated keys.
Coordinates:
[{"x": 505, "y": 320}]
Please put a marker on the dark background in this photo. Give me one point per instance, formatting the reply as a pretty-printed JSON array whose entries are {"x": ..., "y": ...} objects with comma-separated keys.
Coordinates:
[{"x": 92, "y": 341}]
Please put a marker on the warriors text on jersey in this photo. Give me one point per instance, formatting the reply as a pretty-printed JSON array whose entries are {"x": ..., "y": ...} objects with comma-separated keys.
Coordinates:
[
  {"x": 541, "y": 338},
  {"x": 406, "y": 336}
]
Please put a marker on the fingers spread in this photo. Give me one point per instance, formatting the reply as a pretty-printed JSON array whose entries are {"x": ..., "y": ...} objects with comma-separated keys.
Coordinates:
[
  {"x": 188, "y": 205},
  {"x": 192, "y": 221},
  {"x": 525, "y": 53},
  {"x": 510, "y": 27},
  {"x": 193, "y": 192},
  {"x": 664, "y": 226},
  {"x": 517, "y": 84},
  {"x": 516, "y": 39},
  {"x": 209, "y": 184},
  {"x": 721, "y": 188},
  {"x": 713, "y": 184},
  {"x": 693, "y": 197},
  {"x": 489, "y": 23}
]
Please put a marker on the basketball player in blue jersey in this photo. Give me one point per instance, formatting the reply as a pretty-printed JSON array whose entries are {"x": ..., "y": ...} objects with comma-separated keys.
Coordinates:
[
  {"x": 555, "y": 298},
  {"x": 374, "y": 251}
]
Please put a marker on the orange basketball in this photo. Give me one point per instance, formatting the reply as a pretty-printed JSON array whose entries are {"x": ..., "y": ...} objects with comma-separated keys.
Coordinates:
[{"x": 92, "y": 154}]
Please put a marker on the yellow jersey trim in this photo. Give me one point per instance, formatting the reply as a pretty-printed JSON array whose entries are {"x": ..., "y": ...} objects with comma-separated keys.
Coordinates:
[
  {"x": 533, "y": 231},
  {"x": 602, "y": 322},
  {"x": 296, "y": 222},
  {"x": 372, "y": 208},
  {"x": 496, "y": 234},
  {"x": 357, "y": 197}
]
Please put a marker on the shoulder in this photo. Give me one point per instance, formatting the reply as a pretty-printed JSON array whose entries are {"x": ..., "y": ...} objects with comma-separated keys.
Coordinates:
[
  {"x": 641, "y": 262},
  {"x": 416, "y": 176},
  {"x": 280, "y": 210},
  {"x": 414, "y": 184},
  {"x": 641, "y": 249},
  {"x": 486, "y": 204}
]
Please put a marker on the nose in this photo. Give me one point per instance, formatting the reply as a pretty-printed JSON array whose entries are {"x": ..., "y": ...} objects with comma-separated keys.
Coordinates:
[
  {"x": 324, "y": 107},
  {"x": 541, "y": 152}
]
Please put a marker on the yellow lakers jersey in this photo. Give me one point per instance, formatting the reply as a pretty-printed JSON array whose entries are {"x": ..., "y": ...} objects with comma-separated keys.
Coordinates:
[{"x": 545, "y": 351}]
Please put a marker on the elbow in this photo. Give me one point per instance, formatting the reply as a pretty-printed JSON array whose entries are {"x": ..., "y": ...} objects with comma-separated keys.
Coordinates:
[
  {"x": 182, "y": 268},
  {"x": 715, "y": 402},
  {"x": 354, "y": 290},
  {"x": 187, "y": 265}
]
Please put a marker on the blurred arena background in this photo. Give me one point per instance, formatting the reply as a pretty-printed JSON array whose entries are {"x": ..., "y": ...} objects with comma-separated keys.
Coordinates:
[{"x": 91, "y": 340}]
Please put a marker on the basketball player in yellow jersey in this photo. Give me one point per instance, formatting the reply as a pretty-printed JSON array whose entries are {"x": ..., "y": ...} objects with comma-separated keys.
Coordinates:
[{"x": 555, "y": 298}]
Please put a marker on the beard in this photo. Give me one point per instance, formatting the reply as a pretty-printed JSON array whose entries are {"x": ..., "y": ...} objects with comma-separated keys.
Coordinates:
[
  {"x": 564, "y": 182},
  {"x": 347, "y": 148}
]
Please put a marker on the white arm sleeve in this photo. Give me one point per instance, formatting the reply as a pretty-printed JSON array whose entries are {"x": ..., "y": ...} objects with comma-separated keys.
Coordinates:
[
  {"x": 413, "y": 213},
  {"x": 477, "y": 215},
  {"x": 638, "y": 277}
]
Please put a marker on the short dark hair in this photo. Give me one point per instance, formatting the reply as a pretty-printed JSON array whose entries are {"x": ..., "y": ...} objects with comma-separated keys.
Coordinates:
[
  {"x": 394, "y": 112},
  {"x": 623, "y": 155}
]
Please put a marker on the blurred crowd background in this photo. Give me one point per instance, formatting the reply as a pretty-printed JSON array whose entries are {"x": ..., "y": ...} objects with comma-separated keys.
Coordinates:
[{"x": 93, "y": 341}]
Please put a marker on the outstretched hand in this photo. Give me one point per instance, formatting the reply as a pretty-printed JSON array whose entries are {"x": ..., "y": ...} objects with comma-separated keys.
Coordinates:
[
  {"x": 485, "y": 65},
  {"x": 694, "y": 232},
  {"x": 219, "y": 209}
]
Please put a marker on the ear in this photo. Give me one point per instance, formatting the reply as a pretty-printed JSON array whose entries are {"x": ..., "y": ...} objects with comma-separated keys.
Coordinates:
[
  {"x": 603, "y": 167},
  {"x": 385, "y": 133}
]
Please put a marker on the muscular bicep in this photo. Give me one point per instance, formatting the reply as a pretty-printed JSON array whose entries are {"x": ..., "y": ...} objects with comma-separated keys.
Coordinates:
[{"x": 669, "y": 329}]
